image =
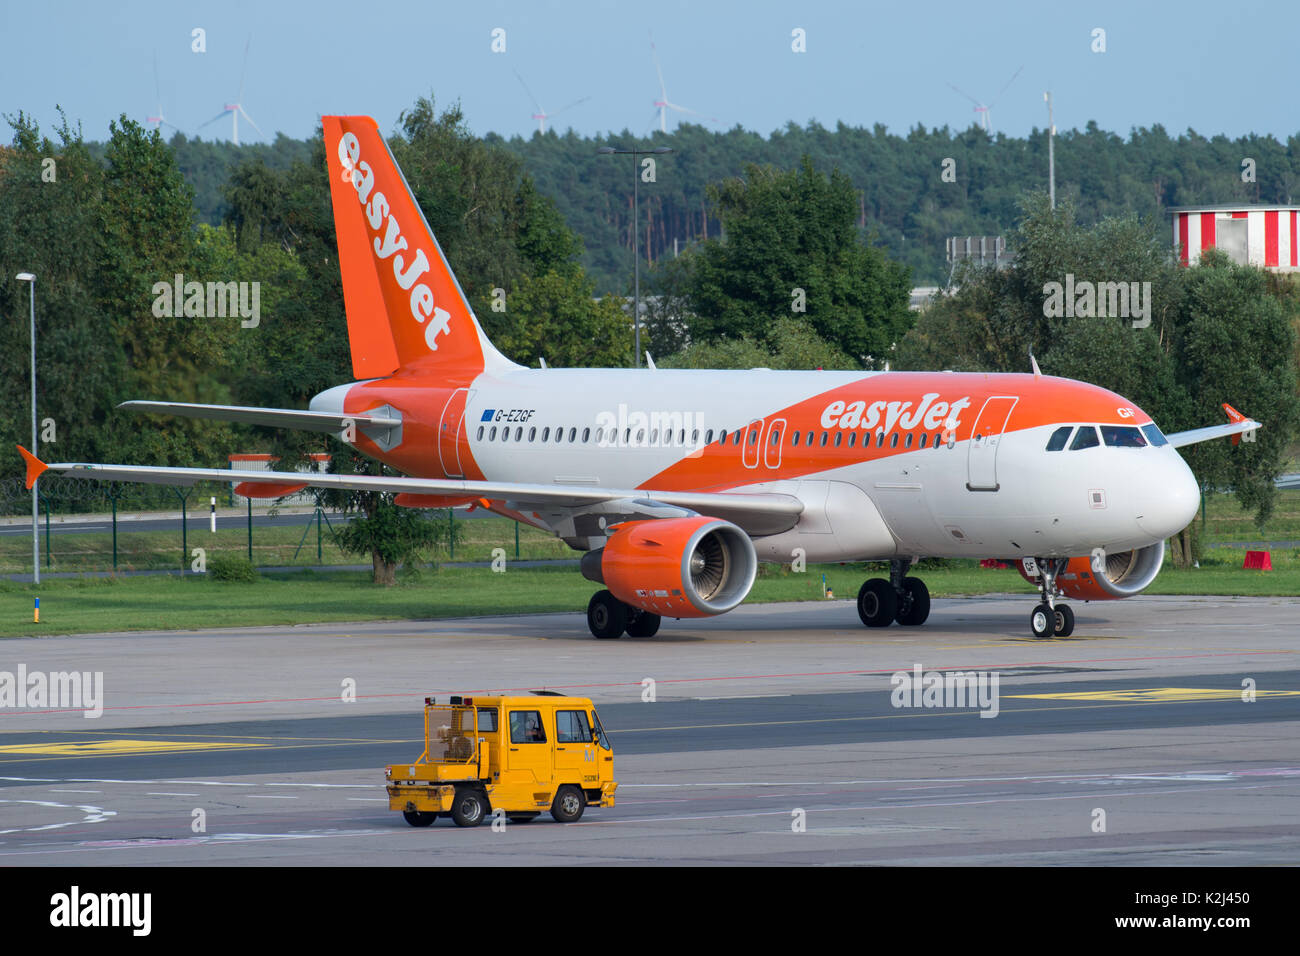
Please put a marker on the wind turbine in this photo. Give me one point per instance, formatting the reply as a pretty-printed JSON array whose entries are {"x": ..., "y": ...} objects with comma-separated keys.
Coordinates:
[
  {"x": 159, "y": 118},
  {"x": 986, "y": 110},
  {"x": 663, "y": 104},
  {"x": 541, "y": 115},
  {"x": 236, "y": 109}
]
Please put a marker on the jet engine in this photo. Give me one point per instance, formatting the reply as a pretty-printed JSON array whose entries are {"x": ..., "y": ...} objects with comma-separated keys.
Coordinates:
[
  {"x": 1120, "y": 574},
  {"x": 675, "y": 567}
]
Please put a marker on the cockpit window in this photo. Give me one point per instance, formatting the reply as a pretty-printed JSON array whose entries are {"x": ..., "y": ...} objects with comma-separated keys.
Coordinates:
[
  {"x": 1086, "y": 437},
  {"x": 1122, "y": 436},
  {"x": 1154, "y": 435},
  {"x": 1059, "y": 438}
]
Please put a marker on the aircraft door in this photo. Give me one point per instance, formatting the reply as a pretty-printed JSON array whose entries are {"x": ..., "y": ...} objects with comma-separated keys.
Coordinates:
[
  {"x": 986, "y": 437},
  {"x": 772, "y": 439},
  {"x": 750, "y": 443},
  {"x": 451, "y": 432}
]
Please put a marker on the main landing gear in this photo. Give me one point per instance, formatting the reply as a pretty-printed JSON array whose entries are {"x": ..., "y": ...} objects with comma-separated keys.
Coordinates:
[
  {"x": 1050, "y": 619},
  {"x": 902, "y": 599},
  {"x": 610, "y": 618}
]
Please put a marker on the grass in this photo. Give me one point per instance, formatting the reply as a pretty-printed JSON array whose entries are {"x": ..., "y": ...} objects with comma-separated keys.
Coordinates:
[{"x": 85, "y": 605}]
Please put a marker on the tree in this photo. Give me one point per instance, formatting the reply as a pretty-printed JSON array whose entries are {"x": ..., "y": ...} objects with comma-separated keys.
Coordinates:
[{"x": 791, "y": 247}]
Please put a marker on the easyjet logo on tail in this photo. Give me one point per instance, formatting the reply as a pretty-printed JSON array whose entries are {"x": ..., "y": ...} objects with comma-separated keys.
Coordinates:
[{"x": 388, "y": 243}]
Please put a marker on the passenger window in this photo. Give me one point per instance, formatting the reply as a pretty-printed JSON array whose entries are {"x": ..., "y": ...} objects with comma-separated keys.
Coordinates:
[
  {"x": 586, "y": 433},
  {"x": 480, "y": 433},
  {"x": 794, "y": 438},
  {"x": 893, "y": 440},
  {"x": 1059, "y": 438},
  {"x": 907, "y": 442},
  {"x": 573, "y": 434},
  {"x": 839, "y": 437},
  {"x": 571, "y": 727},
  {"x": 526, "y": 727},
  {"x": 853, "y": 439},
  {"x": 824, "y": 437},
  {"x": 708, "y": 437},
  {"x": 776, "y": 436},
  {"x": 1086, "y": 437},
  {"x": 492, "y": 435},
  {"x": 546, "y": 434},
  {"x": 735, "y": 439},
  {"x": 532, "y": 434},
  {"x": 925, "y": 436},
  {"x": 519, "y": 433}
]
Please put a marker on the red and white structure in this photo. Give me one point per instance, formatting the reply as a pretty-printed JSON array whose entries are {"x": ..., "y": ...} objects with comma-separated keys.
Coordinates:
[{"x": 1264, "y": 236}]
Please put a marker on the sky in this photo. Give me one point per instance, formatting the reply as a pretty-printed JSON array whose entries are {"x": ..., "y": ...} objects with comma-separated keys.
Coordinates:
[{"x": 1218, "y": 68}]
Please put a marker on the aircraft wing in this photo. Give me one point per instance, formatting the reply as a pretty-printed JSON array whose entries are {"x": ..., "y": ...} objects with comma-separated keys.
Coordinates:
[
  {"x": 1237, "y": 424},
  {"x": 755, "y": 513},
  {"x": 272, "y": 417},
  {"x": 1288, "y": 481}
]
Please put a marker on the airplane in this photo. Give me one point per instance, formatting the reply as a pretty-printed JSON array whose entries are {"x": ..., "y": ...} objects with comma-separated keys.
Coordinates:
[{"x": 675, "y": 484}]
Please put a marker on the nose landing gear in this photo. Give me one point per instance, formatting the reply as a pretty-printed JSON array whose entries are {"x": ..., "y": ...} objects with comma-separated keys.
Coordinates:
[
  {"x": 902, "y": 599},
  {"x": 1050, "y": 619}
]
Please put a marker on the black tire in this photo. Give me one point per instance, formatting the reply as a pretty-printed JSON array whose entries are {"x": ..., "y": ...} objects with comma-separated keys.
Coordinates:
[
  {"x": 1042, "y": 620},
  {"x": 606, "y": 616},
  {"x": 468, "y": 808},
  {"x": 522, "y": 817},
  {"x": 419, "y": 818},
  {"x": 643, "y": 624},
  {"x": 568, "y": 804},
  {"x": 1063, "y": 626},
  {"x": 915, "y": 607},
  {"x": 877, "y": 603}
]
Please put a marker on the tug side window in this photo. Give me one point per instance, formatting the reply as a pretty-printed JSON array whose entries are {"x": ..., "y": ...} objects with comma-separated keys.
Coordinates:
[
  {"x": 571, "y": 727},
  {"x": 526, "y": 727}
]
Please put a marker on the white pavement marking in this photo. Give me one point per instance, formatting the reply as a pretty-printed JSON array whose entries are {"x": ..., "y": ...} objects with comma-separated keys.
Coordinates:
[{"x": 92, "y": 815}]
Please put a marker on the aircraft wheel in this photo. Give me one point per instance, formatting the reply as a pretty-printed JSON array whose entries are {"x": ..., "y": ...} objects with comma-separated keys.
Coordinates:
[
  {"x": 1042, "y": 621},
  {"x": 606, "y": 616},
  {"x": 877, "y": 603},
  {"x": 643, "y": 624},
  {"x": 915, "y": 607},
  {"x": 1063, "y": 625}
]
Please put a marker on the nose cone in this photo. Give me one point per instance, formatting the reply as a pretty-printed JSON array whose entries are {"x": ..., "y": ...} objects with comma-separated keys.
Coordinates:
[{"x": 1169, "y": 498}]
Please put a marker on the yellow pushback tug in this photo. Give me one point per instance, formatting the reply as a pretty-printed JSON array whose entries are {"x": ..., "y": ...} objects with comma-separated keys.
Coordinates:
[{"x": 520, "y": 755}]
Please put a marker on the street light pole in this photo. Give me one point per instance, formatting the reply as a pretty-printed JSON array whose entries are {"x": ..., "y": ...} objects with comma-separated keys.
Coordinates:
[
  {"x": 1051, "y": 151},
  {"x": 636, "y": 235},
  {"x": 30, "y": 279}
]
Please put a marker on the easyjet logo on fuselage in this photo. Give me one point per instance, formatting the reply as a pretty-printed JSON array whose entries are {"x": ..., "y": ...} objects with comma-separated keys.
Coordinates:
[
  {"x": 389, "y": 243},
  {"x": 885, "y": 415}
]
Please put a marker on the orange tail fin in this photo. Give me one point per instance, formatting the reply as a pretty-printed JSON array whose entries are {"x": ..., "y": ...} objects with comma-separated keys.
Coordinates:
[{"x": 404, "y": 305}]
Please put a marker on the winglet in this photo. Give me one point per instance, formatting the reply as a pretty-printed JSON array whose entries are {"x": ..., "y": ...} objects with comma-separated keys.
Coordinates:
[
  {"x": 35, "y": 467},
  {"x": 1234, "y": 416}
]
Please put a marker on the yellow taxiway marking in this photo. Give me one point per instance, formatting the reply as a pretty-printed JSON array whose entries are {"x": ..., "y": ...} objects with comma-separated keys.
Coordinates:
[
  {"x": 99, "y": 748},
  {"x": 1158, "y": 694}
]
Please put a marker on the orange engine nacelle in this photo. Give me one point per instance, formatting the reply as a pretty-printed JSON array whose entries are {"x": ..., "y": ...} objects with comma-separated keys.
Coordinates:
[
  {"x": 675, "y": 567},
  {"x": 1120, "y": 575}
]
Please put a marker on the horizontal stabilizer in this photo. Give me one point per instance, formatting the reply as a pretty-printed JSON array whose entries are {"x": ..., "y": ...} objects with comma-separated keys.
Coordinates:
[{"x": 300, "y": 420}]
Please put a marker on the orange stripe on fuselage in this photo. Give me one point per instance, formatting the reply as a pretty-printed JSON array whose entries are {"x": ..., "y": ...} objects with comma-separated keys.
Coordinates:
[{"x": 1042, "y": 401}]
